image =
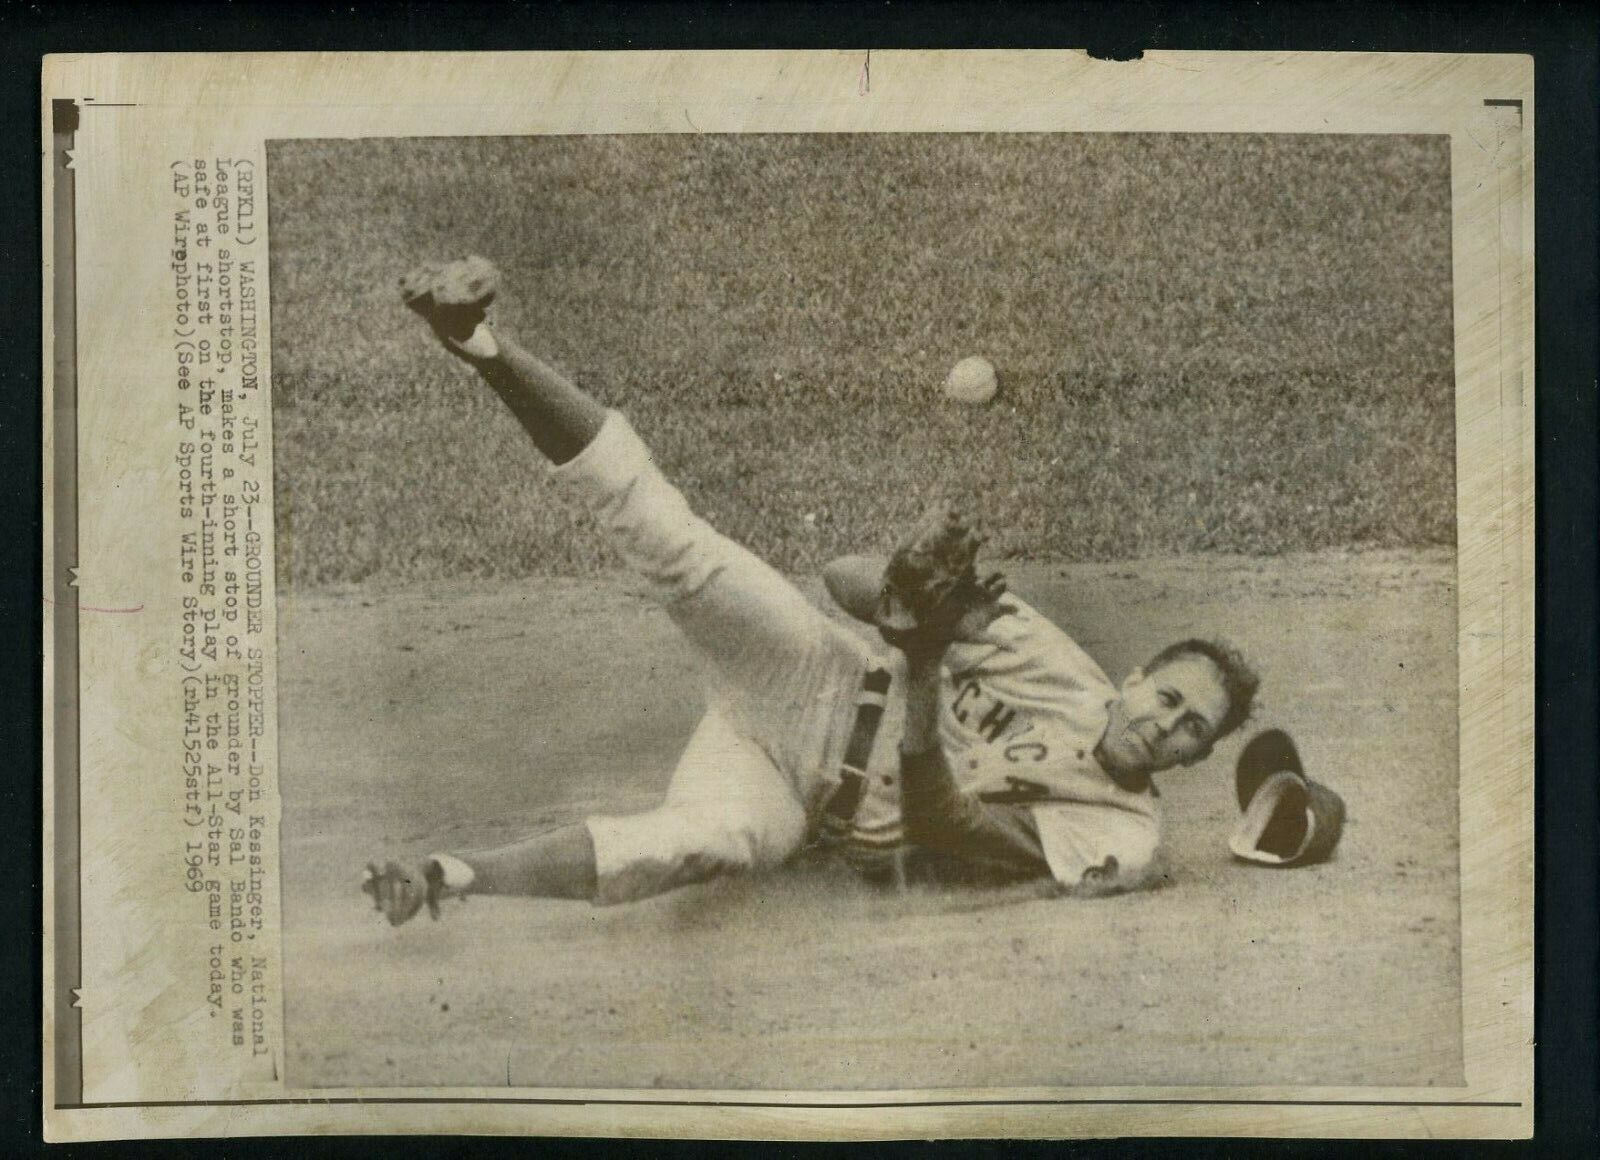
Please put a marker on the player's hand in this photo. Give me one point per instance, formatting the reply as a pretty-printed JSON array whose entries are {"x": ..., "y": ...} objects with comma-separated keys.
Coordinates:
[
  {"x": 964, "y": 617},
  {"x": 932, "y": 596},
  {"x": 978, "y": 609}
]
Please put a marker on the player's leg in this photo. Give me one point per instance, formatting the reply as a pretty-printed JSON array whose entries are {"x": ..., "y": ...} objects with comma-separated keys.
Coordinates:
[
  {"x": 783, "y": 669},
  {"x": 557, "y": 864},
  {"x": 453, "y": 298},
  {"x": 728, "y": 810}
]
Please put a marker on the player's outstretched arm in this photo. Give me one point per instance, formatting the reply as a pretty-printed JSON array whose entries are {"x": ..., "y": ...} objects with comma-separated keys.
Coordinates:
[
  {"x": 931, "y": 598},
  {"x": 938, "y": 814},
  {"x": 453, "y": 298}
]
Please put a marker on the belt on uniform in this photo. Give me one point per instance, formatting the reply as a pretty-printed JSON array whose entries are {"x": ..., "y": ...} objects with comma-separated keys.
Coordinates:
[{"x": 841, "y": 807}]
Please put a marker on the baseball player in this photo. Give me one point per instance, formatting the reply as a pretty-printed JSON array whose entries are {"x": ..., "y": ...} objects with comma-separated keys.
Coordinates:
[{"x": 982, "y": 731}]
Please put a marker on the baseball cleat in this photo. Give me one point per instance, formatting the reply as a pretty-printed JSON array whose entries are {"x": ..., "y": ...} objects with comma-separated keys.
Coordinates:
[
  {"x": 399, "y": 893},
  {"x": 453, "y": 298}
]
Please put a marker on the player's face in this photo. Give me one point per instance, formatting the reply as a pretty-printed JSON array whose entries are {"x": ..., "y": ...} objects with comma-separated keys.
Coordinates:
[{"x": 1166, "y": 717}]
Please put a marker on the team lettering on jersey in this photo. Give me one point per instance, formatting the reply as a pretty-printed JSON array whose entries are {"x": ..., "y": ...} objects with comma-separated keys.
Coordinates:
[
  {"x": 985, "y": 714},
  {"x": 1019, "y": 723},
  {"x": 993, "y": 721},
  {"x": 1020, "y": 740}
]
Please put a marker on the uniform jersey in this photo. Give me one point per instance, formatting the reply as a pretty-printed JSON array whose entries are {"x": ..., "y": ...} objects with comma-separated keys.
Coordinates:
[
  {"x": 1023, "y": 712},
  {"x": 791, "y": 691}
]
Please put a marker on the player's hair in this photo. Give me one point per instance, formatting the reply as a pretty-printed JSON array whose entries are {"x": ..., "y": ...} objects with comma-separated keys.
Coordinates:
[{"x": 1239, "y": 680}]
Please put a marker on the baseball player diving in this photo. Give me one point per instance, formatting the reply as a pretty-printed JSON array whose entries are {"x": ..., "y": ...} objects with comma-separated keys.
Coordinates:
[{"x": 977, "y": 729}]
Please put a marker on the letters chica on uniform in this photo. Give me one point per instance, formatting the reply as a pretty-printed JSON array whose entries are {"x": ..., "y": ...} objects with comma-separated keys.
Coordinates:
[{"x": 990, "y": 738}]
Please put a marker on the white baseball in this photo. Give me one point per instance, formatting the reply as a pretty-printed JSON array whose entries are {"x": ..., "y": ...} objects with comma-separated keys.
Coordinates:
[{"x": 972, "y": 380}]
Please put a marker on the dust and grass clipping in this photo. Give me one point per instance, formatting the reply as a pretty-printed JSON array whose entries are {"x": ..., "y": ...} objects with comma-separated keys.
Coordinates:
[{"x": 282, "y": 626}]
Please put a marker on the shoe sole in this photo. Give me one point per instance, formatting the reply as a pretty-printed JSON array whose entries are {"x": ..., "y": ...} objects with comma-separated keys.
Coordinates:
[{"x": 465, "y": 282}]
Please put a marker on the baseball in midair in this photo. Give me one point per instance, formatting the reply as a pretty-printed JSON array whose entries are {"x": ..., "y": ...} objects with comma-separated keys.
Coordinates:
[{"x": 972, "y": 380}]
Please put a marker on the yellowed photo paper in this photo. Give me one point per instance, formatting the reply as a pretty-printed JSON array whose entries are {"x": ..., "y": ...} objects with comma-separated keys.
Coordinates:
[{"x": 788, "y": 595}]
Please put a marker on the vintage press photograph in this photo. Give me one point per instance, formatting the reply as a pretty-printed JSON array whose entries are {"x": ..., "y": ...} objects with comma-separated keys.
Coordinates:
[{"x": 867, "y": 612}]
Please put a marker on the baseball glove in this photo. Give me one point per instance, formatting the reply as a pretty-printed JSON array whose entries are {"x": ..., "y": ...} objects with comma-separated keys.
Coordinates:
[{"x": 931, "y": 591}]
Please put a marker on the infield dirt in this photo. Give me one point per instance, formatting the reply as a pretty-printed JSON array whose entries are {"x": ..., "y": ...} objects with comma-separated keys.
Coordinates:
[{"x": 461, "y": 714}]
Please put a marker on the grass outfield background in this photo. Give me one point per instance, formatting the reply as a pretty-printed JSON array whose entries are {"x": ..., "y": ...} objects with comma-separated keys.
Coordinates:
[{"x": 1205, "y": 342}]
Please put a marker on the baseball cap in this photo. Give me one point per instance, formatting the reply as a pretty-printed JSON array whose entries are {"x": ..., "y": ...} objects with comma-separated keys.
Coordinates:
[{"x": 1288, "y": 819}]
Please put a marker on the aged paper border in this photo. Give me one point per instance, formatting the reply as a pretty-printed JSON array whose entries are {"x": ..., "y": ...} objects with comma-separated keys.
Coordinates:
[{"x": 1484, "y": 103}]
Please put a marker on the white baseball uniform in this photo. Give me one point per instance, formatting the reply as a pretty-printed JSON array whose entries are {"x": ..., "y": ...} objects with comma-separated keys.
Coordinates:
[{"x": 802, "y": 733}]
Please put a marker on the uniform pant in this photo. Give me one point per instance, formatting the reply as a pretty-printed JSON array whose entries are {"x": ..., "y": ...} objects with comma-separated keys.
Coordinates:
[{"x": 783, "y": 678}]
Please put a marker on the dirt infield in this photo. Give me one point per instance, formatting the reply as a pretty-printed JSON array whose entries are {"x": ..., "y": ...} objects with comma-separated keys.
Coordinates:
[{"x": 455, "y": 715}]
